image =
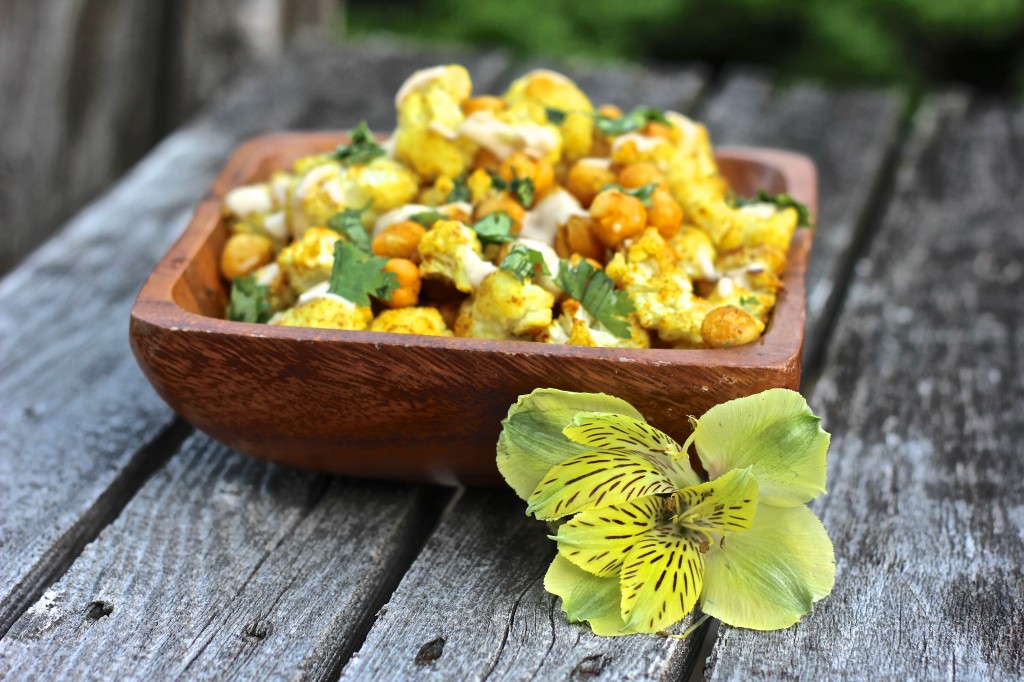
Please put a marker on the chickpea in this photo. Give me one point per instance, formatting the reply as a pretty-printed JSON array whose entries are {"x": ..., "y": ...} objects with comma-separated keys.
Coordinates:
[
  {"x": 664, "y": 213},
  {"x": 486, "y": 159},
  {"x": 580, "y": 237},
  {"x": 617, "y": 216},
  {"x": 408, "y": 291},
  {"x": 519, "y": 165},
  {"x": 728, "y": 326},
  {"x": 585, "y": 180},
  {"x": 609, "y": 110},
  {"x": 399, "y": 240},
  {"x": 502, "y": 202},
  {"x": 655, "y": 129},
  {"x": 561, "y": 244},
  {"x": 639, "y": 174},
  {"x": 245, "y": 253},
  {"x": 483, "y": 103}
]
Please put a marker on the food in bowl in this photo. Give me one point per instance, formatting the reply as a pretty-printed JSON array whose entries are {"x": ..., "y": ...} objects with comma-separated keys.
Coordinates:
[{"x": 532, "y": 216}]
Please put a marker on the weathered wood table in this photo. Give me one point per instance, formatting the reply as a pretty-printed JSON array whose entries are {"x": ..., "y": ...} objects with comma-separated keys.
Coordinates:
[{"x": 132, "y": 547}]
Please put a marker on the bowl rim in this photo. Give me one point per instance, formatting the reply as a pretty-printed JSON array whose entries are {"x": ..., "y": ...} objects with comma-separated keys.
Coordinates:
[{"x": 781, "y": 342}]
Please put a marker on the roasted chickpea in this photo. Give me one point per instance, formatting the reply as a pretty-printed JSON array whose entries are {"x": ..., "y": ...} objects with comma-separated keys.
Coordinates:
[
  {"x": 502, "y": 202},
  {"x": 520, "y": 165},
  {"x": 655, "y": 129},
  {"x": 244, "y": 253},
  {"x": 639, "y": 174},
  {"x": 610, "y": 110},
  {"x": 482, "y": 103},
  {"x": 408, "y": 291},
  {"x": 664, "y": 213},
  {"x": 728, "y": 326},
  {"x": 399, "y": 240},
  {"x": 585, "y": 180},
  {"x": 486, "y": 159},
  {"x": 580, "y": 237},
  {"x": 617, "y": 216}
]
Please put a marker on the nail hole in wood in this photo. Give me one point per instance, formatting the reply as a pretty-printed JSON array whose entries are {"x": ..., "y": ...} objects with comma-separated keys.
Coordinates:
[
  {"x": 258, "y": 630},
  {"x": 430, "y": 652},
  {"x": 98, "y": 609},
  {"x": 590, "y": 667}
]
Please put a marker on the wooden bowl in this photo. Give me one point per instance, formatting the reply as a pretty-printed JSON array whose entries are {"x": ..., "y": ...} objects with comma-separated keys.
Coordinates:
[{"x": 417, "y": 407}]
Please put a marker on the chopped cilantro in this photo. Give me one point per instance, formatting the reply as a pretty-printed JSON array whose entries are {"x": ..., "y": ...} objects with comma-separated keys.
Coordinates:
[
  {"x": 524, "y": 191},
  {"x": 522, "y": 262},
  {"x": 497, "y": 182},
  {"x": 249, "y": 300},
  {"x": 427, "y": 218},
  {"x": 460, "y": 192},
  {"x": 349, "y": 223},
  {"x": 494, "y": 228},
  {"x": 781, "y": 200},
  {"x": 357, "y": 275},
  {"x": 642, "y": 193},
  {"x": 597, "y": 294},
  {"x": 627, "y": 123},
  {"x": 750, "y": 301},
  {"x": 555, "y": 116},
  {"x": 362, "y": 149}
]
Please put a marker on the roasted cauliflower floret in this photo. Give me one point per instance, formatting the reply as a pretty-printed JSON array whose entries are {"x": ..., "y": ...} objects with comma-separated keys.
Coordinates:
[
  {"x": 576, "y": 327},
  {"x": 695, "y": 252},
  {"x": 429, "y": 106},
  {"x": 548, "y": 89},
  {"x": 451, "y": 251},
  {"x": 423, "y": 320},
  {"x": 505, "y": 308},
  {"x": 318, "y": 308},
  {"x": 308, "y": 261},
  {"x": 731, "y": 227},
  {"x": 279, "y": 294}
]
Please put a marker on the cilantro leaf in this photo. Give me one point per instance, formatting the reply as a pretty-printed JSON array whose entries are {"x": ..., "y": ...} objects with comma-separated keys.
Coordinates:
[
  {"x": 642, "y": 193},
  {"x": 357, "y": 275},
  {"x": 522, "y": 262},
  {"x": 427, "y": 218},
  {"x": 524, "y": 190},
  {"x": 249, "y": 301},
  {"x": 349, "y": 223},
  {"x": 494, "y": 228},
  {"x": 554, "y": 115},
  {"x": 362, "y": 149},
  {"x": 460, "y": 192},
  {"x": 750, "y": 301},
  {"x": 597, "y": 294},
  {"x": 781, "y": 200},
  {"x": 497, "y": 182},
  {"x": 627, "y": 123}
]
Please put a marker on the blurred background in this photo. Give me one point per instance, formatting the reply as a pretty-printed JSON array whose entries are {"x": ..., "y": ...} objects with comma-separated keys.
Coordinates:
[{"x": 88, "y": 86}]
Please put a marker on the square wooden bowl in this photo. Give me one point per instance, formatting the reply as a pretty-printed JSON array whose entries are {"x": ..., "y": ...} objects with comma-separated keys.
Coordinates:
[{"x": 416, "y": 407}]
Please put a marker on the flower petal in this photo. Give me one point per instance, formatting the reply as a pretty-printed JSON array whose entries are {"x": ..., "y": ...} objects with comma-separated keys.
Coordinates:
[
  {"x": 767, "y": 577},
  {"x": 531, "y": 440},
  {"x": 725, "y": 505},
  {"x": 623, "y": 434},
  {"x": 594, "y": 480},
  {"x": 598, "y": 540},
  {"x": 661, "y": 579},
  {"x": 776, "y": 435},
  {"x": 586, "y": 597}
]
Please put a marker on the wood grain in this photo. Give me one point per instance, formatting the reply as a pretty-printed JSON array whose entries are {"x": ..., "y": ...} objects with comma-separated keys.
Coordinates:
[
  {"x": 224, "y": 567},
  {"x": 851, "y": 135},
  {"x": 75, "y": 411},
  {"x": 922, "y": 391}
]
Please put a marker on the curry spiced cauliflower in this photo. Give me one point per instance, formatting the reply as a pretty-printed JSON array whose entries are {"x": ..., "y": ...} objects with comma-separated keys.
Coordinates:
[{"x": 531, "y": 216}]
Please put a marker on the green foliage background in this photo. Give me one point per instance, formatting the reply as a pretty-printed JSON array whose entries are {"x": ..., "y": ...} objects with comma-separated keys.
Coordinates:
[{"x": 916, "y": 43}]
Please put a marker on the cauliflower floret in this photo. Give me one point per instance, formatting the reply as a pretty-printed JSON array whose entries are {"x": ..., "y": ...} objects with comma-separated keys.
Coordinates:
[
  {"x": 695, "y": 252},
  {"x": 279, "y": 294},
  {"x": 424, "y": 320},
  {"x": 321, "y": 309},
  {"x": 576, "y": 327},
  {"x": 549, "y": 89},
  {"x": 731, "y": 292},
  {"x": 757, "y": 268},
  {"x": 660, "y": 289},
  {"x": 308, "y": 261},
  {"x": 640, "y": 148},
  {"x": 731, "y": 227},
  {"x": 429, "y": 106},
  {"x": 505, "y": 308},
  {"x": 451, "y": 251},
  {"x": 385, "y": 182}
]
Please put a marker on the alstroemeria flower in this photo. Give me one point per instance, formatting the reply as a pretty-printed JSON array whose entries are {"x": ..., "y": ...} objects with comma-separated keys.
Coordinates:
[{"x": 648, "y": 538}]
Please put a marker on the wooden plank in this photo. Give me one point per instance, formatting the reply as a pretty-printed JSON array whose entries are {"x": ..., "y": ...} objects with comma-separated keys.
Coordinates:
[
  {"x": 518, "y": 627},
  {"x": 473, "y": 605},
  {"x": 223, "y": 566},
  {"x": 66, "y": 370},
  {"x": 78, "y": 82},
  {"x": 922, "y": 391},
  {"x": 852, "y": 167}
]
